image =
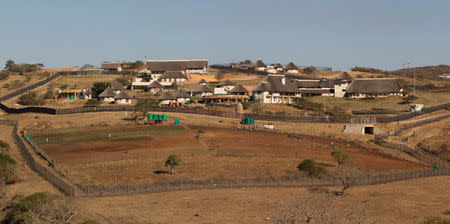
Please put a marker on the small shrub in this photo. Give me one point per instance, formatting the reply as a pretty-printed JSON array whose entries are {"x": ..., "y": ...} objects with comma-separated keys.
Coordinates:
[
  {"x": 246, "y": 105},
  {"x": 7, "y": 169},
  {"x": 49, "y": 94},
  {"x": 312, "y": 168},
  {"x": 436, "y": 220},
  {"x": 4, "y": 147},
  {"x": 90, "y": 222},
  {"x": 408, "y": 99},
  {"x": 304, "y": 104},
  {"x": 92, "y": 103},
  {"x": 123, "y": 80},
  {"x": 4, "y": 75},
  {"x": 337, "y": 112},
  {"x": 29, "y": 98}
]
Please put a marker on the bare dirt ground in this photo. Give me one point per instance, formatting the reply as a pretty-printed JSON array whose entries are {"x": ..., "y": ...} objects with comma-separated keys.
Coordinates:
[
  {"x": 401, "y": 202},
  {"x": 219, "y": 153}
]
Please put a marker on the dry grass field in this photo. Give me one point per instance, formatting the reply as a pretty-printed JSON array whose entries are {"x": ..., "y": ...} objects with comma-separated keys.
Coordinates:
[
  {"x": 83, "y": 81},
  {"x": 400, "y": 202}
]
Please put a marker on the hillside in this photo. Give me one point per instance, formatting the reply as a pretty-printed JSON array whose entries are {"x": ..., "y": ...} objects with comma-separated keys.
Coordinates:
[{"x": 426, "y": 72}]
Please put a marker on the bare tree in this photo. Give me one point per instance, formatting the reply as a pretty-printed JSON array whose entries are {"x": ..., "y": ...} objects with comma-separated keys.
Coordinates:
[
  {"x": 220, "y": 75},
  {"x": 346, "y": 174}
]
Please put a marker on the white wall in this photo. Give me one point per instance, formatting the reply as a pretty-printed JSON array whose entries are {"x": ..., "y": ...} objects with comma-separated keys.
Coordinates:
[{"x": 339, "y": 90}]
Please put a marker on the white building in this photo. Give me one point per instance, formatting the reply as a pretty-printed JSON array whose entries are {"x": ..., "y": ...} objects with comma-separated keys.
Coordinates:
[
  {"x": 112, "y": 66},
  {"x": 260, "y": 66},
  {"x": 122, "y": 98},
  {"x": 276, "y": 89},
  {"x": 107, "y": 95},
  {"x": 291, "y": 68},
  {"x": 170, "y": 77}
]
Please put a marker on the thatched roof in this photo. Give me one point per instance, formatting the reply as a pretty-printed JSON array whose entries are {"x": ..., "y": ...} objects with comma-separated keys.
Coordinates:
[
  {"x": 116, "y": 86},
  {"x": 122, "y": 95},
  {"x": 345, "y": 76},
  {"x": 273, "y": 83},
  {"x": 259, "y": 63},
  {"x": 310, "y": 83},
  {"x": 175, "y": 65},
  {"x": 291, "y": 66},
  {"x": 107, "y": 93},
  {"x": 198, "y": 89},
  {"x": 202, "y": 81},
  {"x": 225, "y": 82},
  {"x": 375, "y": 85},
  {"x": 172, "y": 75},
  {"x": 166, "y": 96},
  {"x": 181, "y": 94},
  {"x": 316, "y": 91},
  {"x": 111, "y": 65},
  {"x": 238, "y": 89},
  {"x": 155, "y": 85},
  {"x": 277, "y": 65}
]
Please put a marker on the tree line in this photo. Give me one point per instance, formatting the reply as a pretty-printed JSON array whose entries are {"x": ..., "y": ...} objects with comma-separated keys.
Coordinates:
[{"x": 11, "y": 66}]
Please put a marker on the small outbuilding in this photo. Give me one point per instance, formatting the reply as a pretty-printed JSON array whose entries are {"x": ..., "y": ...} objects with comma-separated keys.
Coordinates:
[
  {"x": 122, "y": 98},
  {"x": 166, "y": 98},
  {"x": 107, "y": 95}
]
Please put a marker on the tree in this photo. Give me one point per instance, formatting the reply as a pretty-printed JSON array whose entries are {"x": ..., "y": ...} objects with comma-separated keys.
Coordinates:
[
  {"x": 92, "y": 103},
  {"x": 346, "y": 174},
  {"x": 99, "y": 87},
  {"x": 9, "y": 65},
  {"x": 309, "y": 70},
  {"x": 408, "y": 99},
  {"x": 220, "y": 74},
  {"x": 312, "y": 168},
  {"x": 135, "y": 65},
  {"x": 124, "y": 81},
  {"x": 340, "y": 156},
  {"x": 142, "y": 107},
  {"x": 172, "y": 161},
  {"x": 40, "y": 207},
  {"x": 49, "y": 94}
]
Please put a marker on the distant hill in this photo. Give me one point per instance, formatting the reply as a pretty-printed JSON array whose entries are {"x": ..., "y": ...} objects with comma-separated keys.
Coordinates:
[{"x": 426, "y": 72}]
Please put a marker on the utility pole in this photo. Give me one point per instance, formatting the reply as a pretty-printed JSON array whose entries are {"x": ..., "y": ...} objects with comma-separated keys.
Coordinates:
[{"x": 414, "y": 80}]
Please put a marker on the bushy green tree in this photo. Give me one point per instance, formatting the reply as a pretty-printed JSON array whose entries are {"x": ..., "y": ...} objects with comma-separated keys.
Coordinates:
[
  {"x": 92, "y": 103},
  {"x": 99, "y": 87},
  {"x": 142, "y": 107},
  {"x": 124, "y": 81},
  {"x": 172, "y": 161},
  {"x": 340, "y": 156},
  {"x": 312, "y": 168}
]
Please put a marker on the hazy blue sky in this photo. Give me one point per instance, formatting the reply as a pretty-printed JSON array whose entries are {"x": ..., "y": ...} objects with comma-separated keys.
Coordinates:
[{"x": 341, "y": 34}]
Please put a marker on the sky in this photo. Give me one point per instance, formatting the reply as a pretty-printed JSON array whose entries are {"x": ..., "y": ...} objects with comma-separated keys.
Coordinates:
[{"x": 341, "y": 34}]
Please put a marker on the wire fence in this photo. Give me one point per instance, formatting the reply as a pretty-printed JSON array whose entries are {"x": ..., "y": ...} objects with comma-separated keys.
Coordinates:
[
  {"x": 280, "y": 182},
  {"x": 42, "y": 170}
]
